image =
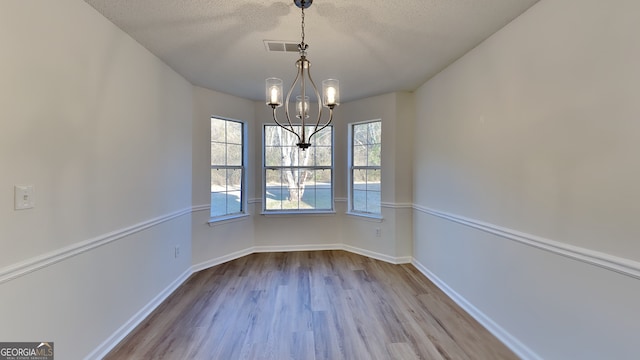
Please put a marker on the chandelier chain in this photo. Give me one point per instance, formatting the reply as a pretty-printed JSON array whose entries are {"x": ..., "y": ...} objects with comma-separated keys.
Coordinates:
[{"x": 302, "y": 23}]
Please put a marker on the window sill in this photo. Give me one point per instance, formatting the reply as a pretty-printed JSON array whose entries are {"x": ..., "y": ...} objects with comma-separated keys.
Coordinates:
[
  {"x": 297, "y": 213},
  {"x": 227, "y": 219},
  {"x": 365, "y": 216}
]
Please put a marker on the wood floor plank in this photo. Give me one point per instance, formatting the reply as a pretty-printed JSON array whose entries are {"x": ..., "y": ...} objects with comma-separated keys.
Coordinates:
[{"x": 312, "y": 306}]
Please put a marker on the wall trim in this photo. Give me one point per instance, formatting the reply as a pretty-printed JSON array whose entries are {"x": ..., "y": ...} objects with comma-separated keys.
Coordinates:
[
  {"x": 293, "y": 248},
  {"x": 202, "y": 207},
  {"x": 603, "y": 260},
  {"x": 36, "y": 263},
  {"x": 290, "y": 248},
  {"x": 112, "y": 341},
  {"x": 506, "y": 338},
  {"x": 221, "y": 260},
  {"x": 389, "y": 205},
  {"x": 378, "y": 256}
]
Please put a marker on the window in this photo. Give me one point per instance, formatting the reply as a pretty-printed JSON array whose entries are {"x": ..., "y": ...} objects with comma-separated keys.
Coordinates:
[
  {"x": 364, "y": 165},
  {"x": 296, "y": 180},
  {"x": 227, "y": 168}
]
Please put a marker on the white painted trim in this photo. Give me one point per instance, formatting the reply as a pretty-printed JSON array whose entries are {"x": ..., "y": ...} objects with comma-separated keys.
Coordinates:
[
  {"x": 215, "y": 221},
  {"x": 103, "y": 349},
  {"x": 36, "y": 263},
  {"x": 510, "y": 341},
  {"x": 389, "y": 205},
  {"x": 366, "y": 216},
  {"x": 614, "y": 263},
  {"x": 221, "y": 260},
  {"x": 340, "y": 200},
  {"x": 297, "y": 213},
  {"x": 377, "y": 256},
  {"x": 293, "y": 248},
  {"x": 203, "y": 207}
]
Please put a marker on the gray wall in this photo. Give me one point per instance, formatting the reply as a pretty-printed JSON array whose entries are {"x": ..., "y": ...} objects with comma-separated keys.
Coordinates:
[
  {"x": 526, "y": 180},
  {"x": 102, "y": 129}
]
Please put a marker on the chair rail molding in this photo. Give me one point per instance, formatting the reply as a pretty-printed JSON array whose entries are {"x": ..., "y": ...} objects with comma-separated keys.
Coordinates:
[
  {"x": 41, "y": 261},
  {"x": 603, "y": 260}
]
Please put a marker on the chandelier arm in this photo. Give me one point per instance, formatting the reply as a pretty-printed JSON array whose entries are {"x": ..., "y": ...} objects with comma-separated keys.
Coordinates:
[
  {"x": 325, "y": 125},
  {"x": 315, "y": 89},
  {"x": 286, "y": 104},
  {"x": 282, "y": 126}
]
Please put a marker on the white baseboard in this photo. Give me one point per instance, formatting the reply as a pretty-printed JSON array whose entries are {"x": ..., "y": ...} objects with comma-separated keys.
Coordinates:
[
  {"x": 113, "y": 340},
  {"x": 510, "y": 341},
  {"x": 292, "y": 248},
  {"x": 221, "y": 260},
  {"x": 377, "y": 256}
]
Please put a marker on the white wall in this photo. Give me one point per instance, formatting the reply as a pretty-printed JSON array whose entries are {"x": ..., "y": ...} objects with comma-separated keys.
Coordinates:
[
  {"x": 526, "y": 180},
  {"x": 395, "y": 110},
  {"x": 222, "y": 241},
  {"x": 102, "y": 129},
  {"x": 212, "y": 244}
]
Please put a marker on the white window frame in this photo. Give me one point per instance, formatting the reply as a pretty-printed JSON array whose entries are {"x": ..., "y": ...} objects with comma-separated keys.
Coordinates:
[
  {"x": 243, "y": 167},
  {"x": 298, "y": 211},
  {"x": 351, "y": 168}
]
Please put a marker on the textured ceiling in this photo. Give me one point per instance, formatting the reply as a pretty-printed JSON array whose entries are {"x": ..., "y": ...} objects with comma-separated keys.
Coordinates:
[{"x": 372, "y": 47}]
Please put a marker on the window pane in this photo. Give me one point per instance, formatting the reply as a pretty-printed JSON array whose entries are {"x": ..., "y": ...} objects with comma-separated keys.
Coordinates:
[
  {"x": 218, "y": 154},
  {"x": 360, "y": 134},
  {"x": 226, "y": 195},
  {"x": 359, "y": 200},
  {"x": 373, "y": 180},
  {"x": 293, "y": 182},
  {"x": 365, "y": 180},
  {"x": 373, "y": 155},
  {"x": 218, "y": 180},
  {"x": 374, "y": 132},
  {"x": 275, "y": 193},
  {"x": 234, "y": 132},
  {"x": 293, "y": 189},
  {"x": 227, "y": 167},
  {"x": 289, "y": 156},
  {"x": 360, "y": 155},
  {"x": 234, "y": 155},
  {"x": 322, "y": 138},
  {"x": 234, "y": 179},
  {"x": 218, "y": 130},
  {"x": 272, "y": 156},
  {"x": 373, "y": 201},
  {"x": 234, "y": 202},
  {"x": 322, "y": 156},
  {"x": 359, "y": 179}
]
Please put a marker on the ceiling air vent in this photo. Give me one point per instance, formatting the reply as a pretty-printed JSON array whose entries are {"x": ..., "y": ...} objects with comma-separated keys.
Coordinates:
[{"x": 281, "y": 46}]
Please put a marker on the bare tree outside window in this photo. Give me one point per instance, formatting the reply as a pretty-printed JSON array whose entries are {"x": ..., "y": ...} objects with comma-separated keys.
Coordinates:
[{"x": 297, "y": 179}]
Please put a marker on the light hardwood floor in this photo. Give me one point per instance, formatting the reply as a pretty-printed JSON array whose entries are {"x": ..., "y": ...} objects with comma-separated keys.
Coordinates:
[{"x": 305, "y": 306}]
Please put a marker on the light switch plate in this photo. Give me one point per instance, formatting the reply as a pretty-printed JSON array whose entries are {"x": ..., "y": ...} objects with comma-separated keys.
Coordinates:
[{"x": 24, "y": 197}]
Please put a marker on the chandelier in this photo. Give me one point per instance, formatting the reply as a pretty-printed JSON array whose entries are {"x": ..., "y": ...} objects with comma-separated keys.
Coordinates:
[{"x": 303, "y": 82}]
